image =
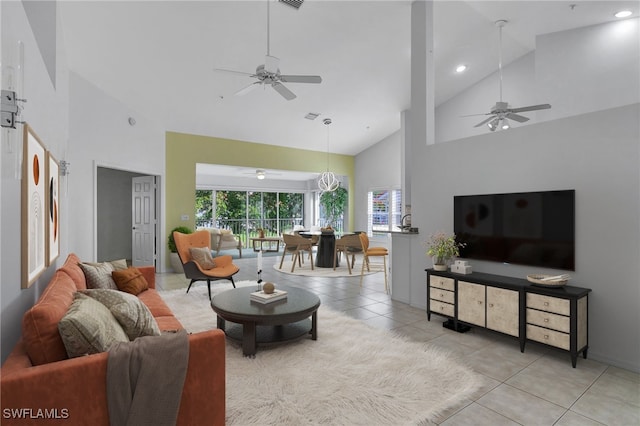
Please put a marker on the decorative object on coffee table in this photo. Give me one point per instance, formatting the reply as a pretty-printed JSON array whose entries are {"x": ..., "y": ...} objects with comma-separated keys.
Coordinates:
[
  {"x": 268, "y": 288},
  {"x": 264, "y": 297},
  {"x": 260, "y": 270}
]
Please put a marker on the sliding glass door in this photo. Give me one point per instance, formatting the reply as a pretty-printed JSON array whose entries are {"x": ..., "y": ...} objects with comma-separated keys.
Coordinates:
[{"x": 245, "y": 212}]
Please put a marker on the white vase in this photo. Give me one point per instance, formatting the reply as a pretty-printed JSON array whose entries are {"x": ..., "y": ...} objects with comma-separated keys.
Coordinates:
[{"x": 176, "y": 264}]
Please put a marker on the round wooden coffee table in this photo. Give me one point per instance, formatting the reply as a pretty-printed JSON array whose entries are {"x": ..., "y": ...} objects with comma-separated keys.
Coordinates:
[{"x": 253, "y": 323}]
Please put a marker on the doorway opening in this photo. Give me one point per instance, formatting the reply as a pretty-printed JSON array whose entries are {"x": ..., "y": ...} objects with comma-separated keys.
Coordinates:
[{"x": 118, "y": 213}]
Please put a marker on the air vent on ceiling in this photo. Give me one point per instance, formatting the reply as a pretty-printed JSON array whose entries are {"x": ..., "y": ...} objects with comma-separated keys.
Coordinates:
[
  {"x": 293, "y": 3},
  {"x": 311, "y": 115}
]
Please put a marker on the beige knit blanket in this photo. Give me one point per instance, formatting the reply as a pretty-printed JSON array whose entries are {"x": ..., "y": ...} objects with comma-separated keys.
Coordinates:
[{"x": 145, "y": 379}]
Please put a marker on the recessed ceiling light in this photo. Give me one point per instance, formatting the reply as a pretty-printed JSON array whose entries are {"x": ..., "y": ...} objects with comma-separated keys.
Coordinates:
[
  {"x": 461, "y": 68},
  {"x": 623, "y": 14}
]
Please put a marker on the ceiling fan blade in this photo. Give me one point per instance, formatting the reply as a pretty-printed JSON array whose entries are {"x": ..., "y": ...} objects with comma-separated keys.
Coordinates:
[
  {"x": 315, "y": 79},
  {"x": 516, "y": 117},
  {"x": 271, "y": 64},
  {"x": 248, "y": 88},
  {"x": 484, "y": 121},
  {"x": 475, "y": 115},
  {"x": 286, "y": 93},
  {"x": 531, "y": 108},
  {"x": 232, "y": 71}
]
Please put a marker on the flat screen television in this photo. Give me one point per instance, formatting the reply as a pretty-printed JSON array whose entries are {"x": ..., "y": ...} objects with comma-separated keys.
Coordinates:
[{"x": 525, "y": 228}]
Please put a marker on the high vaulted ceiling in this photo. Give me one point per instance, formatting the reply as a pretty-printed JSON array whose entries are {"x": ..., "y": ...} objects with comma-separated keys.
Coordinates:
[{"x": 158, "y": 57}]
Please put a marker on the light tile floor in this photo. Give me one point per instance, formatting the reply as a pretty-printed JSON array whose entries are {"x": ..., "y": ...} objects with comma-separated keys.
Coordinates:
[{"x": 537, "y": 387}]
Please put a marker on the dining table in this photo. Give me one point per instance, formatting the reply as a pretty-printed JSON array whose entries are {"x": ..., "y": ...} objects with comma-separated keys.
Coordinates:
[{"x": 326, "y": 247}]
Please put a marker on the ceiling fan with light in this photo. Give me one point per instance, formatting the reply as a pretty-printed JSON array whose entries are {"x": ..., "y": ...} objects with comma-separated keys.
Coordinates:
[
  {"x": 501, "y": 113},
  {"x": 268, "y": 74},
  {"x": 261, "y": 173}
]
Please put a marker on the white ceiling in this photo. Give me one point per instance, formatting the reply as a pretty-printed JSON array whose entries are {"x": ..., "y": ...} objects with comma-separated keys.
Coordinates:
[
  {"x": 157, "y": 57},
  {"x": 203, "y": 169}
]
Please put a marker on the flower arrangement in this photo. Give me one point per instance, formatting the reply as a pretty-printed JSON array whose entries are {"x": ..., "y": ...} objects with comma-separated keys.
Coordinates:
[{"x": 443, "y": 247}]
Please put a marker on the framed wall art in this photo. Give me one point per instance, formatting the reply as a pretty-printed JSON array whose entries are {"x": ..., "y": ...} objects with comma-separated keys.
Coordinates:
[
  {"x": 52, "y": 209},
  {"x": 33, "y": 207}
]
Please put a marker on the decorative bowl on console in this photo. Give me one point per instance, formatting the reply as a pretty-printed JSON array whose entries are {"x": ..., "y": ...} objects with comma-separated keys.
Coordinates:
[{"x": 545, "y": 280}]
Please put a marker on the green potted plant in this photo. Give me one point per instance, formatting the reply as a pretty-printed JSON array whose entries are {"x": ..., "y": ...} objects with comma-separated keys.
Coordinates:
[
  {"x": 442, "y": 248},
  {"x": 334, "y": 204},
  {"x": 176, "y": 264}
]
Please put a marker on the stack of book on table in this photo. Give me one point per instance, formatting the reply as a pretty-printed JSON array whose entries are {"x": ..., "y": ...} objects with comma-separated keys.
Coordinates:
[{"x": 262, "y": 297}]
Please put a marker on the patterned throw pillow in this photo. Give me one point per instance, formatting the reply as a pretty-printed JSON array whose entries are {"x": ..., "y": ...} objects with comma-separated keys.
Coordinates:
[
  {"x": 130, "y": 280},
  {"x": 133, "y": 315},
  {"x": 98, "y": 275},
  {"x": 117, "y": 264},
  {"x": 202, "y": 256},
  {"x": 89, "y": 328}
]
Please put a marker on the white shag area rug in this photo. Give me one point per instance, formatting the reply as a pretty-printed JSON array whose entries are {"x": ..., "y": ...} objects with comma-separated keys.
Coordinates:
[
  {"x": 341, "y": 271},
  {"x": 352, "y": 375}
]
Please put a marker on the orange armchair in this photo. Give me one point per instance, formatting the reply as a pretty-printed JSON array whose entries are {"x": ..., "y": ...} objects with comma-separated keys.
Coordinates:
[{"x": 224, "y": 268}]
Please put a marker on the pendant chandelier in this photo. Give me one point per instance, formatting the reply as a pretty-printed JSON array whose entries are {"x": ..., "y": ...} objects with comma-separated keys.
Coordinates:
[{"x": 328, "y": 181}]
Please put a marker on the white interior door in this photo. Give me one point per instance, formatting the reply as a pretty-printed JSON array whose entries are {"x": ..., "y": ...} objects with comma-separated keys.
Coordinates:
[{"x": 143, "y": 211}]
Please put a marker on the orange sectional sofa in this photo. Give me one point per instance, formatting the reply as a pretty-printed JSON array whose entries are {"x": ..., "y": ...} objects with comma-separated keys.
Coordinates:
[{"x": 40, "y": 385}]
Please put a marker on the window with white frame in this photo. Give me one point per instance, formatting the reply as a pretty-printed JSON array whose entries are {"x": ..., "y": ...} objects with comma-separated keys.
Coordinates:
[{"x": 384, "y": 210}]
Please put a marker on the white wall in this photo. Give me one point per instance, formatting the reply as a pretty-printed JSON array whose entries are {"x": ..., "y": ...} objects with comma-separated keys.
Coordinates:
[
  {"x": 578, "y": 71},
  {"x": 46, "y": 111},
  {"x": 597, "y": 154},
  {"x": 377, "y": 167},
  {"x": 100, "y": 135},
  {"x": 598, "y": 65}
]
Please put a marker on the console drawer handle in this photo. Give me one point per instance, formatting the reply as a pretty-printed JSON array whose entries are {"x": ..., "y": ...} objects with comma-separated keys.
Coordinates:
[
  {"x": 479, "y": 302},
  {"x": 491, "y": 305},
  {"x": 546, "y": 336},
  {"x": 546, "y": 320},
  {"x": 546, "y": 303}
]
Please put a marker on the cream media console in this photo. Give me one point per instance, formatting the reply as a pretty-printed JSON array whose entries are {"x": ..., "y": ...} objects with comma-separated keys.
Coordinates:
[{"x": 556, "y": 317}]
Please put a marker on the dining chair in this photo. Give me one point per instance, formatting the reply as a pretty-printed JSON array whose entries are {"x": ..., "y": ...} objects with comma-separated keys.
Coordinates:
[
  {"x": 216, "y": 268},
  {"x": 297, "y": 246},
  {"x": 349, "y": 245},
  {"x": 370, "y": 252}
]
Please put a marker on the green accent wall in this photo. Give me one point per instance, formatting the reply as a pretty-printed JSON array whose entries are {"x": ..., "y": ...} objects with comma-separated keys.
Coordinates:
[{"x": 184, "y": 150}]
